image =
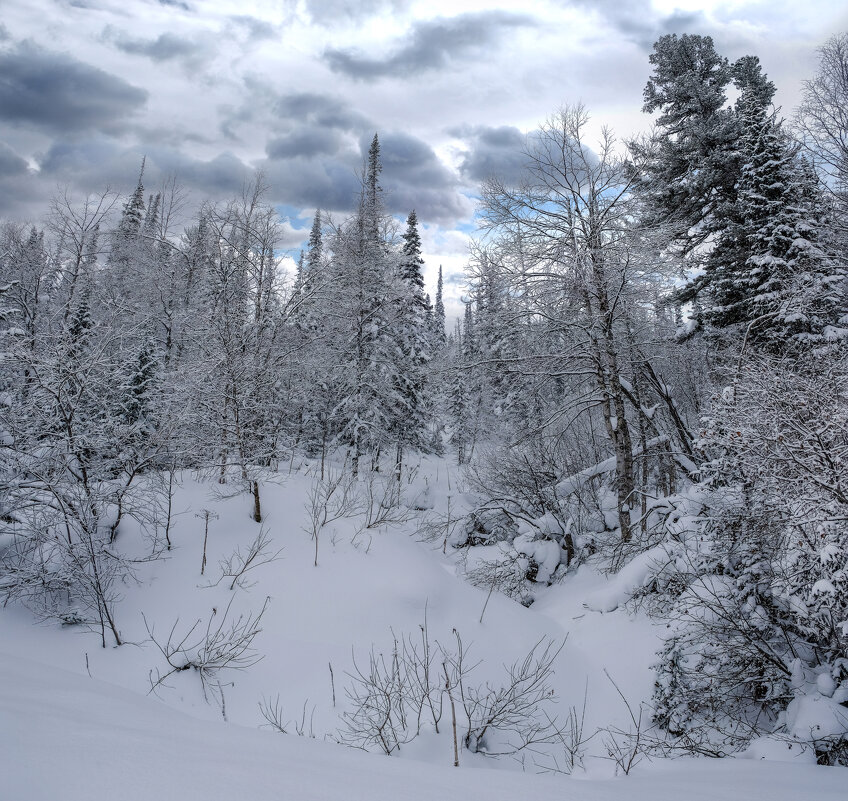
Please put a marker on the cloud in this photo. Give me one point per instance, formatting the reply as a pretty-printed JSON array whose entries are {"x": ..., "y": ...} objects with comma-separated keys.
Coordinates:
[
  {"x": 492, "y": 151},
  {"x": 256, "y": 29},
  {"x": 320, "y": 167},
  {"x": 429, "y": 45},
  {"x": 316, "y": 161},
  {"x": 639, "y": 21},
  {"x": 342, "y": 12},
  {"x": 319, "y": 109},
  {"x": 57, "y": 92},
  {"x": 312, "y": 183},
  {"x": 291, "y": 238},
  {"x": 92, "y": 163},
  {"x": 10, "y": 162},
  {"x": 175, "y": 4},
  {"x": 414, "y": 177},
  {"x": 307, "y": 141},
  {"x": 165, "y": 47}
]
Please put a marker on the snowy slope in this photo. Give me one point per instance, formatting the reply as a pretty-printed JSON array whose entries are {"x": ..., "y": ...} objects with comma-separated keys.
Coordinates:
[
  {"x": 79, "y": 719},
  {"x": 364, "y": 588},
  {"x": 73, "y": 738}
]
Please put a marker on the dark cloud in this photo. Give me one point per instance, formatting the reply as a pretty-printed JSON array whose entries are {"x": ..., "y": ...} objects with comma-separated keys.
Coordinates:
[
  {"x": 95, "y": 162},
  {"x": 307, "y": 141},
  {"x": 88, "y": 163},
  {"x": 174, "y": 4},
  {"x": 414, "y": 178},
  {"x": 256, "y": 29},
  {"x": 639, "y": 21},
  {"x": 22, "y": 198},
  {"x": 264, "y": 108},
  {"x": 324, "y": 110},
  {"x": 4, "y": 33},
  {"x": 165, "y": 47},
  {"x": 492, "y": 151},
  {"x": 319, "y": 167},
  {"x": 407, "y": 159},
  {"x": 429, "y": 45},
  {"x": 56, "y": 92},
  {"x": 504, "y": 153},
  {"x": 313, "y": 183},
  {"x": 10, "y": 162},
  {"x": 222, "y": 176}
]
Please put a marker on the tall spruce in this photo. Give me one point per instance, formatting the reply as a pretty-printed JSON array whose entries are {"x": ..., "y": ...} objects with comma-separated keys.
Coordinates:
[
  {"x": 439, "y": 335},
  {"x": 411, "y": 335}
]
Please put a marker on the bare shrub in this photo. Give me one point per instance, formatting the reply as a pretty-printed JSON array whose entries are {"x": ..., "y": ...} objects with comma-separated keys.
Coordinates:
[
  {"x": 227, "y": 645},
  {"x": 381, "y": 696},
  {"x": 382, "y": 502},
  {"x": 330, "y": 499},
  {"x": 516, "y": 708},
  {"x": 393, "y": 695},
  {"x": 272, "y": 711},
  {"x": 237, "y": 565}
]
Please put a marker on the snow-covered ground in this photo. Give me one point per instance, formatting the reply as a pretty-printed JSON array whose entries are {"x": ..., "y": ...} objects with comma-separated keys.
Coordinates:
[
  {"x": 68, "y": 737},
  {"x": 79, "y": 721}
]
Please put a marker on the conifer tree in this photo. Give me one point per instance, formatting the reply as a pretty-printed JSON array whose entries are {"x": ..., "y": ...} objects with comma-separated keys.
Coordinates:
[
  {"x": 139, "y": 391},
  {"x": 689, "y": 167},
  {"x": 133, "y": 214},
  {"x": 359, "y": 293},
  {"x": 439, "y": 335},
  {"x": 411, "y": 334}
]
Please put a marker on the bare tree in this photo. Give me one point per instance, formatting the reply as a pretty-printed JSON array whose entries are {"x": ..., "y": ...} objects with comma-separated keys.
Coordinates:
[
  {"x": 822, "y": 116},
  {"x": 567, "y": 231}
]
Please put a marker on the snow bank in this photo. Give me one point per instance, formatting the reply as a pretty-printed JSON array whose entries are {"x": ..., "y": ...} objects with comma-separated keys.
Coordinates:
[{"x": 630, "y": 578}]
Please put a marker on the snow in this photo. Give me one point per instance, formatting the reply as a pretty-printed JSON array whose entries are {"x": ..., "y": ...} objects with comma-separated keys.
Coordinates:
[
  {"x": 574, "y": 482},
  {"x": 85, "y": 739},
  {"x": 78, "y": 721},
  {"x": 630, "y": 578},
  {"x": 546, "y": 553},
  {"x": 815, "y": 717}
]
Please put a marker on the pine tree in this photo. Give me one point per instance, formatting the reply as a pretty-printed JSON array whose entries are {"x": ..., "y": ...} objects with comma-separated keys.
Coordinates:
[
  {"x": 310, "y": 278},
  {"x": 794, "y": 288},
  {"x": 372, "y": 208},
  {"x": 150, "y": 228},
  {"x": 315, "y": 246}
]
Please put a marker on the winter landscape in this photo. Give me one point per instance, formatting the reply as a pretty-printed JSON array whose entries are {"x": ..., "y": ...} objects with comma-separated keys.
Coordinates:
[{"x": 367, "y": 433}]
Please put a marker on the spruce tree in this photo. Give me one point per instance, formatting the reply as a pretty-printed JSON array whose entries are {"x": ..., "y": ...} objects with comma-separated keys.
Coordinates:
[
  {"x": 688, "y": 167},
  {"x": 133, "y": 214},
  {"x": 769, "y": 276},
  {"x": 439, "y": 313},
  {"x": 358, "y": 297},
  {"x": 411, "y": 334}
]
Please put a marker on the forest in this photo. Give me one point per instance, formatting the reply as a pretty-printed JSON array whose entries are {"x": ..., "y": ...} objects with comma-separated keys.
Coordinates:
[{"x": 650, "y": 378}]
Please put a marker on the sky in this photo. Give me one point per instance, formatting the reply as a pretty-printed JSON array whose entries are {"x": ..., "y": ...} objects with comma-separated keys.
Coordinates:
[{"x": 213, "y": 90}]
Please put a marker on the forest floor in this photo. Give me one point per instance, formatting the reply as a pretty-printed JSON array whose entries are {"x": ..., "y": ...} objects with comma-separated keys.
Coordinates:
[{"x": 78, "y": 721}]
